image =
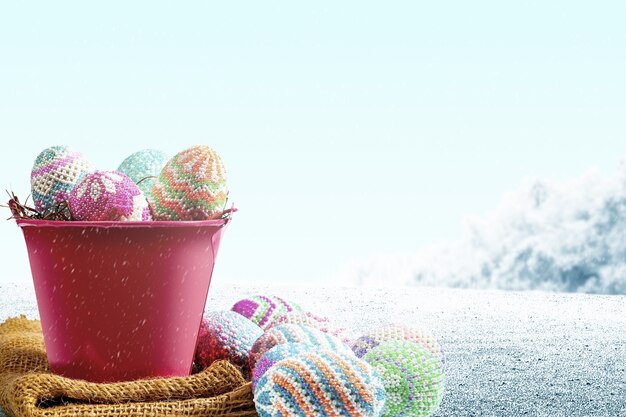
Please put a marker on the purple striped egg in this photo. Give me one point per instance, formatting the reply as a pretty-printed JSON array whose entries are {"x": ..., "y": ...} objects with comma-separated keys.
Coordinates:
[{"x": 263, "y": 309}]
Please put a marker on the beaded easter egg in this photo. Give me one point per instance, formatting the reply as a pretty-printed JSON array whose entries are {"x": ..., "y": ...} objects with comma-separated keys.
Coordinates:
[
  {"x": 320, "y": 384},
  {"x": 309, "y": 319},
  {"x": 191, "y": 186},
  {"x": 412, "y": 377},
  {"x": 141, "y": 166},
  {"x": 294, "y": 333},
  {"x": 55, "y": 173},
  {"x": 262, "y": 309},
  {"x": 276, "y": 354},
  {"x": 108, "y": 195},
  {"x": 226, "y": 335},
  {"x": 392, "y": 332}
]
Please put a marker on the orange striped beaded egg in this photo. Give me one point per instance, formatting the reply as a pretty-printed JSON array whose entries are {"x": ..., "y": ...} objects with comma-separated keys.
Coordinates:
[
  {"x": 320, "y": 384},
  {"x": 191, "y": 186}
]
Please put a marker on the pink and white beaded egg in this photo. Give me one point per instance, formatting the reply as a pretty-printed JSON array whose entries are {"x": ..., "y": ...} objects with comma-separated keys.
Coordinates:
[
  {"x": 226, "y": 335},
  {"x": 309, "y": 319},
  {"x": 108, "y": 196}
]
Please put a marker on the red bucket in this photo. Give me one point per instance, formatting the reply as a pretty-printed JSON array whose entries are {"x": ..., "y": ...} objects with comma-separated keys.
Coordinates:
[{"x": 120, "y": 301}]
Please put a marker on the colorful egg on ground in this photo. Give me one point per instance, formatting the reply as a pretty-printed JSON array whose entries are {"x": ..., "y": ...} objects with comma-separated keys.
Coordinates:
[
  {"x": 395, "y": 332},
  {"x": 412, "y": 377},
  {"x": 276, "y": 354},
  {"x": 144, "y": 167},
  {"x": 320, "y": 384},
  {"x": 262, "y": 309},
  {"x": 306, "y": 318},
  {"x": 294, "y": 333},
  {"x": 191, "y": 186},
  {"x": 55, "y": 173},
  {"x": 108, "y": 196},
  {"x": 226, "y": 335}
]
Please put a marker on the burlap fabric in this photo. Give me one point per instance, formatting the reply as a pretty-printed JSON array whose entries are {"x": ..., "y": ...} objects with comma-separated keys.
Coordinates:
[{"x": 28, "y": 389}]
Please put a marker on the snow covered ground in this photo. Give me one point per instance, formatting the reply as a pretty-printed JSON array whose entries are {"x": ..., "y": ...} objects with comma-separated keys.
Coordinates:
[{"x": 508, "y": 353}]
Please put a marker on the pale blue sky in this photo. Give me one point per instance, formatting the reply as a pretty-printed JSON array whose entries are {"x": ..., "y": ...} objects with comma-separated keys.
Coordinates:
[{"x": 347, "y": 128}]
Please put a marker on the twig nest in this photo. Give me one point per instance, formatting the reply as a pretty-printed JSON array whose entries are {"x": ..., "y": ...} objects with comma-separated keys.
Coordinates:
[
  {"x": 108, "y": 195},
  {"x": 226, "y": 335},
  {"x": 143, "y": 167},
  {"x": 309, "y": 319},
  {"x": 412, "y": 377},
  {"x": 277, "y": 354},
  {"x": 55, "y": 173},
  {"x": 263, "y": 309},
  {"x": 191, "y": 186},
  {"x": 320, "y": 384},
  {"x": 398, "y": 332},
  {"x": 294, "y": 333}
]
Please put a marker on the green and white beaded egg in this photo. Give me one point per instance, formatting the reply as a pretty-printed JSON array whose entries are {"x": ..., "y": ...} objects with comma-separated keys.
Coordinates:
[{"x": 412, "y": 377}]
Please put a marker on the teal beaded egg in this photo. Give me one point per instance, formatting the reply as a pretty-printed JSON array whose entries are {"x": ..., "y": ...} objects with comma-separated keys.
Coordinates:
[
  {"x": 144, "y": 167},
  {"x": 55, "y": 173}
]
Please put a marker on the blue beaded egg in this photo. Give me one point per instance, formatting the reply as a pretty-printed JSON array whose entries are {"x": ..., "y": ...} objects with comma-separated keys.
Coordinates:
[
  {"x": 277, "y": 354},
  {"x": 295, "y": 333}
]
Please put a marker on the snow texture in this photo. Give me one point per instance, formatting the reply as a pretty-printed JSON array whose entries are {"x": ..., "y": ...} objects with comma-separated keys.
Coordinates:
[
  {"x": 507, "y": 353},
  {"x": 552, "y": 236}
]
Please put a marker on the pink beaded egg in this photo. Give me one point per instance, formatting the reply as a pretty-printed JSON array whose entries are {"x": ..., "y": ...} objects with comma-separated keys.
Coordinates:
[
  {"x": 108, "y": 196},
  {"x": 309, "y": 319}
]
